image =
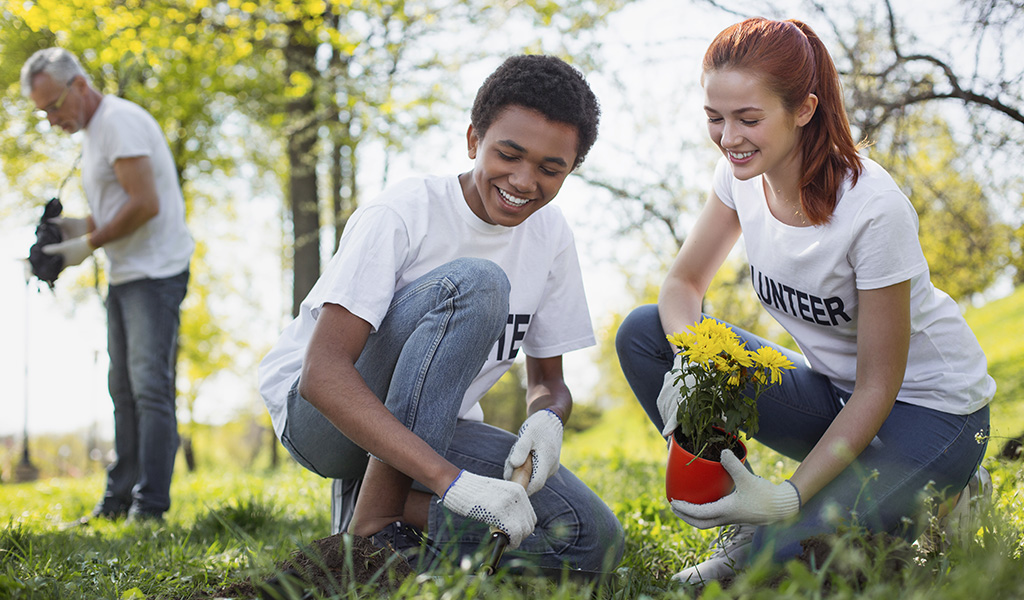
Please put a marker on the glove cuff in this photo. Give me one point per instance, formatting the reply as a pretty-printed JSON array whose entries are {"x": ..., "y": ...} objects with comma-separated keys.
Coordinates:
[
  {"x": 545, "y": 418},
  {"x": 787, "y": 503},
  {"x": 548, "y": 416},
  {"x": 450, "y": 486},
  {"x": 799, "y": 498}
]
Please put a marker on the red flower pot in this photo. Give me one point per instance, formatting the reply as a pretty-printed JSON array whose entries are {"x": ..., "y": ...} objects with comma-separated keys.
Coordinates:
[{"x": 697, "y": 480}]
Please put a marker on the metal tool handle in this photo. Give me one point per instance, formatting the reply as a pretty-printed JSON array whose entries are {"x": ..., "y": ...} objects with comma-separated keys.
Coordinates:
[{"x": 499, "y": 538}]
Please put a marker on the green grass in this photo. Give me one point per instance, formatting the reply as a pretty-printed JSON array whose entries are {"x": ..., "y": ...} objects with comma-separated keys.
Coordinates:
[
  {"x": 231, "y": 525},
  {"x": 998, "y": 326},
  {"x": 228, "y": 527}
]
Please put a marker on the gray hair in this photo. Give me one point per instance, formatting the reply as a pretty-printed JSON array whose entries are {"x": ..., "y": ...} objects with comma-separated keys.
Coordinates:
[{"x": 58, "y": 63}]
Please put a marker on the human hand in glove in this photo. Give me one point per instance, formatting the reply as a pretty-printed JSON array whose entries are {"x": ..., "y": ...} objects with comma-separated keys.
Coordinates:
[
  {"x": 541, "y": 435},
  {"x": 755, "y": 501},
  {"x": 671, "y": 395},
  {"x": 72, "y": 227},
  {"x": 74, "y": 250},
  {"x": 497, "y": 502}
]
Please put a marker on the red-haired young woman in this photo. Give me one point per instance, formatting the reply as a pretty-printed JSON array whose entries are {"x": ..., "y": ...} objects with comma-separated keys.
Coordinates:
[{"x": 891, "y": 388}]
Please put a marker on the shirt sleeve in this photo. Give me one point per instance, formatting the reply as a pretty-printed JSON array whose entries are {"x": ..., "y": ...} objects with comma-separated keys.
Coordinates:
[
  {"x": 885, "y": 249},
  {"x": 723, "y": 182},
  {"x": 362, "y": 274},
  {"x": 129, "y": 138}
]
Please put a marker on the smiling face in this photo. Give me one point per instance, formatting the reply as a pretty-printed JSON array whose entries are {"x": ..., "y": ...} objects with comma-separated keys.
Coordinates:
[
  {"x": 63, "y": 104},
  {"x": 751, "y": 126},
  {"x": 521, "y": 162}
]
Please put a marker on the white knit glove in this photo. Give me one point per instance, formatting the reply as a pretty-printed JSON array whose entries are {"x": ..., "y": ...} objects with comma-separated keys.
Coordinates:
[
  {"x": 71, "y": 227},
  {"x": 74, "y": 250},
  {"x": 540, "y": 435},
  {"x": 755, "y": 501},
  {"x": 497, "y": 502},
  {"x": 671, "y": 395}
]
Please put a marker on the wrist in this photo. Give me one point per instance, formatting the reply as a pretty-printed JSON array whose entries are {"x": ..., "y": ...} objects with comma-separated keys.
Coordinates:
[
  {"x": 90, "y": 240},
  {"x": 561, "y": 421}
]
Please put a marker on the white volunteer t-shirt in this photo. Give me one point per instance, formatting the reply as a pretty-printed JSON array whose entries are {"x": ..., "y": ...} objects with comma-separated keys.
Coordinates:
[
  {"x": 411, "y": 229},
  {"x": 808, "y": 277},
  {"x": 163, "y": 246}
]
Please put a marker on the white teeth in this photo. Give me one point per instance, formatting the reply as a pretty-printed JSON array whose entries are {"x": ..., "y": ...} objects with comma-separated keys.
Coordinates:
[
  {"x": 514, "y": 201},
  {"x": 741, "y": 155}
]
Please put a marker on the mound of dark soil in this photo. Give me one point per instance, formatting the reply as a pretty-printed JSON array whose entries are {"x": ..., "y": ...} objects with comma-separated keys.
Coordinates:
[{"x": 330, "y": 564}]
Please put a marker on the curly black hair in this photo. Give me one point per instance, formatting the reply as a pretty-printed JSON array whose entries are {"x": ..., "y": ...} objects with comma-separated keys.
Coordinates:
[{"x": 543, "y": 83}]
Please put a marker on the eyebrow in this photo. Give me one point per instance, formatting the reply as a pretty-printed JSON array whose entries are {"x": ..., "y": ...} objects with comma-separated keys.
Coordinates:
[
  {"x": 738, "y": 111},
  {"x": 554, "y": 159}
]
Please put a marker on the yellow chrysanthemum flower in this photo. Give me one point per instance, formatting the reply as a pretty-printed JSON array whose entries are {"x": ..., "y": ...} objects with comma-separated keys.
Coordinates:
[
  {"x": 681, "y": 340},
  {"x": 701, "y": 353},
  {"x": 772, "y": 361},
  {"x": 722, "y": 369}
]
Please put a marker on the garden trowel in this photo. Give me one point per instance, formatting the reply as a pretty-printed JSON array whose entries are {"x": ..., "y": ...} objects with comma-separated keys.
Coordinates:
[
  {"x": 500, "y": 541},
  {"x": 499, "y": 538}
]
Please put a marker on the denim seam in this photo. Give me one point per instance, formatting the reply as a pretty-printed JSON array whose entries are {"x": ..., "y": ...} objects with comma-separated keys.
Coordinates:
[
  {"x": 451, "y": 289},
  {"x": 286, "y": 441},
  {"x": 923, "y": 466}
]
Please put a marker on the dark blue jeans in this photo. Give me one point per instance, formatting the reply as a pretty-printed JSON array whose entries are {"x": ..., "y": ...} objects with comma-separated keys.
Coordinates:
[
  {"x": 142, "y": 340},
  {"x": 917, "y": 453}
]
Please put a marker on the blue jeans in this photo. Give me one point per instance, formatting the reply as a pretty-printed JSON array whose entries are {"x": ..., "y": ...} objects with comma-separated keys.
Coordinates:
[
  {"x": 421, "y": 360},
  {"x": 917, "y": 453},
  {"x": 142, "y": 341}
]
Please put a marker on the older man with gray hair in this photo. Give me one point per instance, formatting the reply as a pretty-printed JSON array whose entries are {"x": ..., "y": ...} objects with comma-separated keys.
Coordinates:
[{"x": 138, "y": 218}]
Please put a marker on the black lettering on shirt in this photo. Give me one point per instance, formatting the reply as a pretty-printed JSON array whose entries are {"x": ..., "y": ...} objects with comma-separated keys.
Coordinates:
[
  {"x": 519, "y": 324},
  {"x": 801, "y": 301},
  {"x": 835, "y": 308},
  {"x": 798, "y": 303}
]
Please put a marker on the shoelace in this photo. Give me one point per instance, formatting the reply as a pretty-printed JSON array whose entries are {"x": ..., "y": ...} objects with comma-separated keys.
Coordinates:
[{"x": 732, "y": 536}]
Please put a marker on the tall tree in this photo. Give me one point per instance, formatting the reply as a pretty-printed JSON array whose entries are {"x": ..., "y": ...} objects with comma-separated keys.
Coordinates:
[{"x": 966, "y": 244}]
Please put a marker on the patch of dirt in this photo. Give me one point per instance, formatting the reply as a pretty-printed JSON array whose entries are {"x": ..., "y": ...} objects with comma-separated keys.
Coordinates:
[
  {"x": 330, "y": 564},
  {"x": 1013, "y": 449},
  {"x": 714, "y": 449}
]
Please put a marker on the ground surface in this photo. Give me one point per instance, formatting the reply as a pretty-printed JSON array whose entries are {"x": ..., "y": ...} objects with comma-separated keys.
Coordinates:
[{"x": 330, "y": 564}]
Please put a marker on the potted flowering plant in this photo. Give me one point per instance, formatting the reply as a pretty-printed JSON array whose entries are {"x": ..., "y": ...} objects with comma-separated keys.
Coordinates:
[{"x": 716, "y": 371}]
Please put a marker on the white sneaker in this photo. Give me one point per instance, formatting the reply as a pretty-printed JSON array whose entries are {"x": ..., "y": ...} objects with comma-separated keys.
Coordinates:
[
  {"x": 731, "y": 551},
  {"x": 962, "y": 521}
]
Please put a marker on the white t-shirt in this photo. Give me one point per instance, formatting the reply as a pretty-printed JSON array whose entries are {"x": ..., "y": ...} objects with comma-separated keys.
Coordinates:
[
  {"x": 411, "y": 229},
  {"x": 163, "y": 246},
  {"x": 808, "y": 277}
]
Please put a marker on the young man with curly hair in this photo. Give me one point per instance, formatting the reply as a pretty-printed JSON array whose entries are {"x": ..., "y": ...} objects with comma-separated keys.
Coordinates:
[{"x": 436, "y": 286}]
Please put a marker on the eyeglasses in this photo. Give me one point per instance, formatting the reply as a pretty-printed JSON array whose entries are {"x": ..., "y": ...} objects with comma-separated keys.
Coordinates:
[{"x": 53, "y": 108}]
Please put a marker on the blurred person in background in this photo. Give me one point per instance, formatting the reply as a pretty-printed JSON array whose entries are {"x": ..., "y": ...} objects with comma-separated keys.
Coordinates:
[{"x": 138, "y": 218}]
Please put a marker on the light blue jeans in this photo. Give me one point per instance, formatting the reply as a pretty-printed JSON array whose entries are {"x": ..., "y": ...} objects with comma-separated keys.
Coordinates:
[
  {"x": 142, "y": 342},
  {"x": 429, "y": 347},
  {"x": 917, "y": 453}
]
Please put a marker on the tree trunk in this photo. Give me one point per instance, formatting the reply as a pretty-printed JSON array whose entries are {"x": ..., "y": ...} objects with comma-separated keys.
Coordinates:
[
  {"x": 189, "y": 451},
  {"x": 343, "y": 173},
  {"x": 300, "y": 55}
]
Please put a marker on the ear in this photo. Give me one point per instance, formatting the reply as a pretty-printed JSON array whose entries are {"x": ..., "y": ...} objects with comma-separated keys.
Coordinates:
[
  {"x": 806, "y": 110},
  {"x": 471, "y": 141}
]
